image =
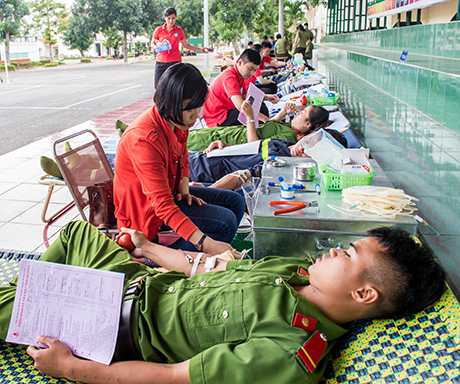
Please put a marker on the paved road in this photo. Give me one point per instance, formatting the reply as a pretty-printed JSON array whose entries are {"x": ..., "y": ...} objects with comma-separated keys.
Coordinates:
[{"x": 43, "y": 101}]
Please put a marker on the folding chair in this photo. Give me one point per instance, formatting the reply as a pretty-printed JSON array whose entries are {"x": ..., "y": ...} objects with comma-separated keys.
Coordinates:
[
  {"x": 83, "y": 164},
  {"x": 52, "y": 182}
]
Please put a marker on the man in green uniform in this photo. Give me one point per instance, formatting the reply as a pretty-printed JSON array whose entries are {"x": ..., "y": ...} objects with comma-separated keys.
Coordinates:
[
  {"x": 280, "y": 48},
  {"x": 305, "y": 122},
  {"x": 247, "y": 321}
]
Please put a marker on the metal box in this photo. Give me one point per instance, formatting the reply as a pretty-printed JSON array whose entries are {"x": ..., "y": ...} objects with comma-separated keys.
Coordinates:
[{"x": 295, "y": 233}]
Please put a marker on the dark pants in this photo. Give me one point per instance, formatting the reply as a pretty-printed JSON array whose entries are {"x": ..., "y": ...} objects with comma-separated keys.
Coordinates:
[
  {"x": 269, "y": 89},
  {"x": 219, "y": 218},
  {"x": 160, "y": 68},
  {"x": 232, "y": 116}
]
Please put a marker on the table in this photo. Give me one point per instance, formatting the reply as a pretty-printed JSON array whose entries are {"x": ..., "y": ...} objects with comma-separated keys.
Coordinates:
[{"x": 294, "y": 233}]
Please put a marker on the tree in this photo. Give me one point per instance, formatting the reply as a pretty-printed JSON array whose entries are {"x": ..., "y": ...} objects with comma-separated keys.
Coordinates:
[
  {"x": 114, "y": 39},
  {"x": 78, "y": 34},
  {"x": 231, "y": 17},
  {"x": 266, "y": 19},
  {"x": 190, "y": 17},
  {"x": 294, "y": 11},
  {"x": 48, "y": 17},
  {"x": 11, "y": 15}
]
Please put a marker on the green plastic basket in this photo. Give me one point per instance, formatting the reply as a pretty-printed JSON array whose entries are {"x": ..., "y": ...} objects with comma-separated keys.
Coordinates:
[
  {"x": 319, "y": 100},
  {"x": 338, "y": 181}
]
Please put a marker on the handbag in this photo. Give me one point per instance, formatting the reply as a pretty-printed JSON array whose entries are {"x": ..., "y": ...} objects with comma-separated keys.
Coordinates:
[{"x": 101, "y": 206}]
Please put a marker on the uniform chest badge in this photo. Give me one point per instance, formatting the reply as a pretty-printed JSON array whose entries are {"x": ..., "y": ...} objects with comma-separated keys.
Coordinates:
[
  {"x": 312, "y": 350},
  {"x": 304, "y": 322}
]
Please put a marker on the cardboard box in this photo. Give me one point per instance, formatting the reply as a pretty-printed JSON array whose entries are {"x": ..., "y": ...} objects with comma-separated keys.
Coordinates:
[{"x": 355, "y": 161}]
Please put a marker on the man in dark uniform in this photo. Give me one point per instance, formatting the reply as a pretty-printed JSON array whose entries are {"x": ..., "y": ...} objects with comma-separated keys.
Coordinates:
[{"x": 268, "y": 321}]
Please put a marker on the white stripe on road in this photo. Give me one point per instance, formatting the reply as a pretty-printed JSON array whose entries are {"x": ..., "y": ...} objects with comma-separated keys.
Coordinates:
[
  {"x": 98, "y": 97},
  {"x": 22, "y": 89}
]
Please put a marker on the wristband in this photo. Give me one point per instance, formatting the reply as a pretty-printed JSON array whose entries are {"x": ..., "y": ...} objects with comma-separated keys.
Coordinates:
[
  {"x": 199, "y": 245},
  {"x": 250, "y": 121}
]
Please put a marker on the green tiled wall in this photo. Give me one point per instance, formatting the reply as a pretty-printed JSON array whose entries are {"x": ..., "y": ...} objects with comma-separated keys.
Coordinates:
[
  {"x": 433, "y": 93},
  {"x": 441, "y": 40}
]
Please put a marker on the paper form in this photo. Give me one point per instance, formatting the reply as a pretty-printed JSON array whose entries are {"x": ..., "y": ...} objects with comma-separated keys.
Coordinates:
[
  {"x": 79, "y": 306},
  {"x": 258, "y": 96}
]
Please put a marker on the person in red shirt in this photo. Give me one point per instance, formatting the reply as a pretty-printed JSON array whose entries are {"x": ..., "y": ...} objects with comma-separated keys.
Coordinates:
[
  {"x": 267, "y": 65},
  {"x": 228, "y": 90},
  {"x": 171, "y": 32},
  {"x": 151, "y": 184}
]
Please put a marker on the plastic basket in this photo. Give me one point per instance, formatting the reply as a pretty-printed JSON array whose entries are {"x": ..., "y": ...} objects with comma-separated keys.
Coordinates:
[
  {"x": 338, "y": 181},
  {"x": 325, "y": 100}
]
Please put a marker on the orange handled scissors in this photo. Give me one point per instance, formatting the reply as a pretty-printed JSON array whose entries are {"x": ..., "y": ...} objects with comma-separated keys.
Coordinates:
[{"x": 296, "y": 206}]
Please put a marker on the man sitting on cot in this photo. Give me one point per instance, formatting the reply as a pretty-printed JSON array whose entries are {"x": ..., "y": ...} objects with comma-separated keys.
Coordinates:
[
  {"x": 306, "y": 121},
  {"x": 229, "y": 89},
  {"x": 273, "y": 320},
  {"x": 231, "y": 172}
]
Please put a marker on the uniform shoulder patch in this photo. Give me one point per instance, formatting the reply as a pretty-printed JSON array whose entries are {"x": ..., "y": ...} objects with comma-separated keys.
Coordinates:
[{"x": 312, "y": 350}]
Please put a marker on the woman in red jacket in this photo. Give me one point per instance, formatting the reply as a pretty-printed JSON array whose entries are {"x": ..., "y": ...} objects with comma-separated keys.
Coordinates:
[{"x": 151, "y": 185}]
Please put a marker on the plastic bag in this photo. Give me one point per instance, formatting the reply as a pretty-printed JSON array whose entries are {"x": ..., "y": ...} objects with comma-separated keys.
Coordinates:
[{"x": 324, "y": 149}]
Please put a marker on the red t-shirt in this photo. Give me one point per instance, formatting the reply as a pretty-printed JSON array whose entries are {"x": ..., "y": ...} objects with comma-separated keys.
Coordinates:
[
  {"x": 218, "y": 102},
  {"x": 175, "y": 36},
  {"x": 258, "y": 73}
]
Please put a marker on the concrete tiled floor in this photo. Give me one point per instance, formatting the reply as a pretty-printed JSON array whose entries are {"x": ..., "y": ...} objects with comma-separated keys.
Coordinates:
[{"x": 22, "y": 197}]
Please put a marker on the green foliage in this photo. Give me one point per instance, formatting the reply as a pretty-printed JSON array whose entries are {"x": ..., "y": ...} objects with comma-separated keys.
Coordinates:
[
  {"x": 11, "y": 68},
  {"x": 141, "y": 47},
  {"x": 294, "y": 12},
  {"x": 44, "y": 61},
  {"x": 231, "y": 16},
  {"x": 79, "y": 33},
  {"x": 11, "y": 14},
  {"x": 29, "y": 64},
  {"x": 48, "y": 17},
  {"x": 84, "y": 60},
  {"x": 51, "y": 65},
  {"x": 190, "y": 16},
  {"x": 114, "y": 39},
  {"x": 266, "y": 19}
]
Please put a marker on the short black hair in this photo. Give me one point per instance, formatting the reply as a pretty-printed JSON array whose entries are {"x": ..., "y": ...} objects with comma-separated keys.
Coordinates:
[
  {"x": 300, "y": 27},
  {"x": 169, "y": 11},
  {"x": 257, "y": 47},
  {"x": 180, "y": 82},
  {"x": 338, "y": 136},
  {"x": 411, "y": 277},
  {"x": 250, "y": 55},
  {"x": 278, "y": 35},
  {"x": 266, "y": 44},
  {"x": 271, "y": 37},
  {"x": 250, "y": 43},
  {"x": 264, "y": 37}
]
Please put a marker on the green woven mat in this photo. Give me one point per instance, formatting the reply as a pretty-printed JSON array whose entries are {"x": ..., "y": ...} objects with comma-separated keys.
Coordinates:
[{"x": 423, "y": 348}]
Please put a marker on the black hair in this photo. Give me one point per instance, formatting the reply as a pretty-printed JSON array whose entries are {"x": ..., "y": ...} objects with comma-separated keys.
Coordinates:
[
  {"x": 278, "y": 35},
  {"x": 250, "y": 55},
  {"x": 409, "y": 276},
  {"x": 338, "y": 136},
  {"x": 306, "y": 23},
  {"x": 264, "y": 37},
  {"x": 266, "y": 44},
  {"x": 271, "y": 37},
  {"x": 300, "y": 27},
  {"x": 182, "y": 81},
  {"x": 257, "y": 47},
  {"x": 169, "y": 11},
  {"x": 250, "y": 42}
]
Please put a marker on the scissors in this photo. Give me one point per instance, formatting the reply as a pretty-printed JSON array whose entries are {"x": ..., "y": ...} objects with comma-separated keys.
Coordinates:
[{"x": 296, "y": 206}]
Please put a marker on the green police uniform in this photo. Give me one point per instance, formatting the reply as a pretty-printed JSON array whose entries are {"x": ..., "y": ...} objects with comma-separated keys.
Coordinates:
[
  {"x": 199, "y": 139},
  {"x": 303, "y": 37},
  {"x": 243, "y": 325}
]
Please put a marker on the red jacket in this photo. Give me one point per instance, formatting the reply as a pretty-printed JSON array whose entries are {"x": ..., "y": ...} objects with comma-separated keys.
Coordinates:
[{"x": 150, "y": 162}]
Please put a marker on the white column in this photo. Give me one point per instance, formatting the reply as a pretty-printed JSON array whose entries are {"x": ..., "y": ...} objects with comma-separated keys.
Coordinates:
[
  {"x": 281, "y": 18},
  {"x": 206, "y": 34}
]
